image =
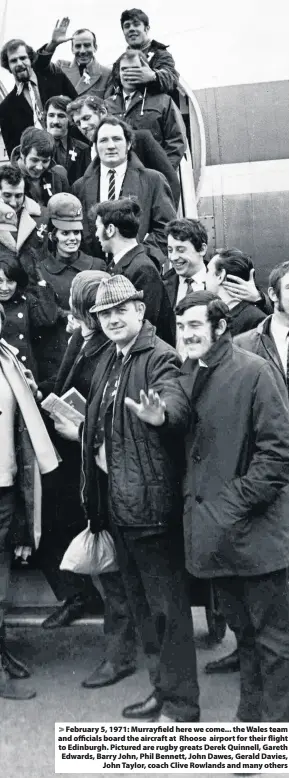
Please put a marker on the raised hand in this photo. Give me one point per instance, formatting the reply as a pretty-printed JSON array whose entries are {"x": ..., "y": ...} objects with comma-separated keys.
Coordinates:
[
  {"x": 150, "y": 409},
  {"x": 60, "y": 30}
]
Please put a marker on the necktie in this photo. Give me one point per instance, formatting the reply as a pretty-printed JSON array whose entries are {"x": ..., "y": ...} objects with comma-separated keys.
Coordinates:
[
  {"x": 111, "y": 185},
  {"x": 189, "y": 282},
  {"x": 107, "y": 398},
  {"x": 35, "y": 105},
  {"x": 60, "y": 153},
  {"x": 127, "y": 101}
]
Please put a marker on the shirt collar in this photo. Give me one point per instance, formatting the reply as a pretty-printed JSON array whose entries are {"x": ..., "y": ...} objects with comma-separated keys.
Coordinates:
[
  {"x": 20, "y": 85},
  {"x": 126, "y": 348},
  {"x": 120, "y": 170},
  {"x": 197, "y": 278},
  {"x": 122, "y": 252},
  {"x": 279, "y": 329}
]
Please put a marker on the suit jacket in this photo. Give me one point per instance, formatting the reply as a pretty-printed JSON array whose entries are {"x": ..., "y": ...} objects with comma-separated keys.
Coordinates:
[
  {"x": 150, "y": 188},
  {"x": 142, "y": 272},
  {"x": 77, "y": 159},
  {"x": 171, "y": 282},
  {"x": 97, "y": 82},
  {"x": 53, "y": 180},
  {"x": 157, "y": 113},
  {"x": 260, "y": 342},
  {"x": 16, "y": 113}
]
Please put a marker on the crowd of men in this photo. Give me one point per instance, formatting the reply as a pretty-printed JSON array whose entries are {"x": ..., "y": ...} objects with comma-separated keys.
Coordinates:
[{"x": 183, "y": 362}]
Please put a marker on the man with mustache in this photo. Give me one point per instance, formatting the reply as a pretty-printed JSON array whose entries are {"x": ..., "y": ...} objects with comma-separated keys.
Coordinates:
[
  {"x": 234, "y": 415},
  {"x": 71, "y": 153},
  {"x": 35, "y": 81}
]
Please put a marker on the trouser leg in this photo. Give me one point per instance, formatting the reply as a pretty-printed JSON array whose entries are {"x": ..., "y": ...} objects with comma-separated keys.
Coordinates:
[
  {"x": 7, "y": 506},
  {"x": 268, "y": 602},
  {"x": 119, "y": 625},
  {"x": 153, "y": 574}
]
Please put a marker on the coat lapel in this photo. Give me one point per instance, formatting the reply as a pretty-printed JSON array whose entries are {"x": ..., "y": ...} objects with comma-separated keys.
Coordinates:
[
  {"x": 90, "y": 76},
  {"x": 26, "y": 227}
]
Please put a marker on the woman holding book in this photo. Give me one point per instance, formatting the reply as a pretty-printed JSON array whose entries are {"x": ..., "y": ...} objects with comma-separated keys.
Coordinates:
[{"x": 66, "y": 520}]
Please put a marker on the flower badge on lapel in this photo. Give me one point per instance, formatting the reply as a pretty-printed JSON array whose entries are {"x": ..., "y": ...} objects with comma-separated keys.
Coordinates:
[
  {"x": 73, "y": 154},
  {"x": 86, "y": 77},
  {"x": 48, "y": 189},
  {"x": 150, "y": 56},
  {"x": 42, "y": 229}
]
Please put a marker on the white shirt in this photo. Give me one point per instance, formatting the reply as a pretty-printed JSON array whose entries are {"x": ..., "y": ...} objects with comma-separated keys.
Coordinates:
[
  {"x": 198, "y": 284},
  {"x": 93, "y": 152},
  {"x": 127, "y": 96},
  {"x": 120, "y": 172},
  {"x": 279, "y": 332},
  {"x": 121, "y": 253}
]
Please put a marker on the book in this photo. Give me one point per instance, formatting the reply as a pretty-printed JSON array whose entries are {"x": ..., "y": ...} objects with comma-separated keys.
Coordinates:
[
  {"x": 75, "y": 400},
  {"x": 71, "y": 407}
]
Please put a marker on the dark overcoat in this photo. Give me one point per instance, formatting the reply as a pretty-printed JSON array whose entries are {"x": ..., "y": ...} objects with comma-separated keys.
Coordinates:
[
  {"x": 143, "y": 274},
  {"x": 150, "y": 188},
  {"x": 236, "y": 493},
  {"x": 144, "y": 461},
  {"x": 260, "y": 341}
]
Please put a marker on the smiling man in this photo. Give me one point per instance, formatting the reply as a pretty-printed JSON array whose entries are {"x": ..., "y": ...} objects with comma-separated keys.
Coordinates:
[
  {"x": 85, "y": 72},
  {"x": 34, "y": 157},
  {"x": 235, "y": 418},
  {"x": 187, "y": 247},
  {"x": 35, "y": 81},
  {"x": 158, "y": 74},
  {"x": 71, "y": 153}
]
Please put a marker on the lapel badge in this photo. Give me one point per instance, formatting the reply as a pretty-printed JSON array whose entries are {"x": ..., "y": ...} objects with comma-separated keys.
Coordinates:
[
  {"x": 73, "y": 154},
  {"x": 48, "y": 189},
  {"x": 86, "y": 77},
  {"x": 41, "y": 231}
]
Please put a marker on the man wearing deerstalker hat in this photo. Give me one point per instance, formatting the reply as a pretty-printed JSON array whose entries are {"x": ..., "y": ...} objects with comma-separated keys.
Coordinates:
[{"x": 131, "y": 486}]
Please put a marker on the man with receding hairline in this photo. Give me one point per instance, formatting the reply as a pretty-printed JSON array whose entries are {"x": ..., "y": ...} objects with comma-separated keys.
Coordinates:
[{"x": 85, "y": 72}]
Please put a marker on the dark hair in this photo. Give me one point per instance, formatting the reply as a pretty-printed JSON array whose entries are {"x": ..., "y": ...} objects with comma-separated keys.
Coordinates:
[
  {"x": 124, "y": 213},
  {"x": 12, "y": 45},
  {"x": 83, "y": 290},
  {"x": 85, "y": 29},
  {"x": 13, "y": 270},
  {"x": 11, "y": 173},
  {"x": 52, "y": 240},
  {"x": 188, "y": 229},
  {"x": 40, "y": 140},
  {"x": 216, "y": 309},
  {"x": 2, "y": 314},
  {"x": 95, "y": 103},
  {"x": 275, "y": 276},
  {"x": 134, "y": 13},
  {"x": 127, "y": 130},
  {"x": 59, "y": 101},
  {"x": 234, "y": 262}
]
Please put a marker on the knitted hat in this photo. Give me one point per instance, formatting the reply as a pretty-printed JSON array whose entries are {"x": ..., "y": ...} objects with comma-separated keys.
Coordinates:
[
  {"x": 114, "y": 291},
  {"x": 65, "y": 211},
  {"x": 8, "y": 218}
]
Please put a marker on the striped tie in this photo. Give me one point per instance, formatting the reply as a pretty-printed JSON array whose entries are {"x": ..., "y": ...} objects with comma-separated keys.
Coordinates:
[{"x": 111, "y": 185}]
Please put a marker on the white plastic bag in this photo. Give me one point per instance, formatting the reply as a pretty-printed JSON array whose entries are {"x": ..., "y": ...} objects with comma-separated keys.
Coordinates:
[{"x": 90, "y": 554}]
